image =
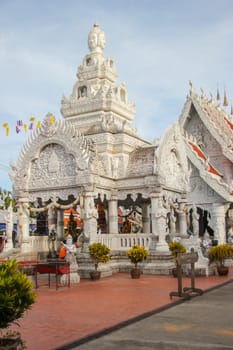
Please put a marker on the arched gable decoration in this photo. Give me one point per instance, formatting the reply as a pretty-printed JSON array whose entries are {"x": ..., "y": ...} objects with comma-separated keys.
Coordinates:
[
  {"x": 172, "y": 160},
  {"x": 52, "y": 156}
]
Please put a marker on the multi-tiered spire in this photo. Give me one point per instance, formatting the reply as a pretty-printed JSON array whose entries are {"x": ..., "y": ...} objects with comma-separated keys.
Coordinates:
[{"x": 97, "y": 103}]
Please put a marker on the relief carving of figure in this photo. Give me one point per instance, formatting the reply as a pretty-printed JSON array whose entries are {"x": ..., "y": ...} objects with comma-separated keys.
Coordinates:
[
  {"x": 96, "y": 39},
  {"x": 172, "y": 224},
  {"x": 161, "y": 218},
  {"x": 90, "y": 219},
  {"x": 53, "y": 165},
  {"x": 92, "y": 40},
  {"x": 102, "y": 40},
  {"x": 91, "y": 211},
  {"x": 195, "y": 220}
]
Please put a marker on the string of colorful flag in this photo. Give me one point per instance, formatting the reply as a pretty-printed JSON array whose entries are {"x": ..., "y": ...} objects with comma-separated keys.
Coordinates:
[{"x": 20, "y": 125}]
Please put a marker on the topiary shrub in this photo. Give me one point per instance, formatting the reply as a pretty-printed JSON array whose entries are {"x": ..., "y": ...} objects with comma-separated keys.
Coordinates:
[
  {"x": 100, "y": 253},
  {"x": 16, "y": 293},
  {"x": 176, "y": 247},
  {"x": 137, "y": 254},
  {"x": 218, "y": 254}
]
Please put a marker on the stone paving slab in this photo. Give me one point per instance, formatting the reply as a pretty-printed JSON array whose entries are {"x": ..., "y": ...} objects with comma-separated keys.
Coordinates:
[
  {"x": 59, "y": 318},
  {"x": 204, "y": 323}
]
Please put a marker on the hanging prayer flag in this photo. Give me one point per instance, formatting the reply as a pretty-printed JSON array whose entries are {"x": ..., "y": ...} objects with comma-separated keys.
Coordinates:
[
  {"x": 17, "y": 129},
  {"x": 38, "y": 124},
  {"x": 32, "y": 119},
  {"x": 25, "y": 127},
  {"x": 6, "y": 127},
  {"x": 51, "y": 119},
  {"x": 19, "y": 122},
  {"x": 30, "y": 126}
]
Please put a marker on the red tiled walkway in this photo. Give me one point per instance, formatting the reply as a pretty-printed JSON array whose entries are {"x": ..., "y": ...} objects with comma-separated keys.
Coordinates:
[{"x": 62, "y": 316}]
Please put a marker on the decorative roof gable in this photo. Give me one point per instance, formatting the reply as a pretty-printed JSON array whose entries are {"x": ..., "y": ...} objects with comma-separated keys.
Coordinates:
[
  {"x": 196, "y": 149},
  {"x": 216, "y": 120},
  {"x": 53, "y": 155}
]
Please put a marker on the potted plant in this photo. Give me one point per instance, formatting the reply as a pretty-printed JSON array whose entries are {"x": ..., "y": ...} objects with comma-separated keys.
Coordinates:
[
  {"x": 100, "y": 253},
  {"x": 218, "y": 254},
  {"x": 136, "y": 254},
  {"x": 175, "y": 248},
  {"x": 16, "y": 296}
]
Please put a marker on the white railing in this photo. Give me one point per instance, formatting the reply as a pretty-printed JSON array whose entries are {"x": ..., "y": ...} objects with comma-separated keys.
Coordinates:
[
  {"x": 113, "y": 241},
  {"x": 124, "y": 241},
  {"x": 39, "y": 243}
]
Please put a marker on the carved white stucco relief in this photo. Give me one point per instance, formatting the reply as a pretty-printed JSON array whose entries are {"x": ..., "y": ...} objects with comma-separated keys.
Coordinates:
[
  {"x": 172, "y": 161},
  {"x": 54, "y": 155},
  {"x": 53, "y": 167}
]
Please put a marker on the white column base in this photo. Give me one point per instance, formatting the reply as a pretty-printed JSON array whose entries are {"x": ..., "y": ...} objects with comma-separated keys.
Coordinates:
[
  {"x": 162, "y": 247},
  {"x": 25, "y": 246}
]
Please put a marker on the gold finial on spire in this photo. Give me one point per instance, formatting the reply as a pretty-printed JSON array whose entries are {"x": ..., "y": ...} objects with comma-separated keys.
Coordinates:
[
  {"x": 225, "y": 101},
  {"x": 218, "y": 95}
]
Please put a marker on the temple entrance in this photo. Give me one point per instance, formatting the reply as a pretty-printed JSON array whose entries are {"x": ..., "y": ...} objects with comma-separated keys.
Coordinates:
[
  {"x": 73, "y": 223},
  {"x": 130, "y": 220},
  {"x": 199, "y": 219},
  {"x": 102, "y": 210},
  {"x": 61, "y": 216}
]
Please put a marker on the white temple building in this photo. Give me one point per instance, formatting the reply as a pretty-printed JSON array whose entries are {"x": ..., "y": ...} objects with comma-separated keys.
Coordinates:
[{"x": 94, "y": 159}]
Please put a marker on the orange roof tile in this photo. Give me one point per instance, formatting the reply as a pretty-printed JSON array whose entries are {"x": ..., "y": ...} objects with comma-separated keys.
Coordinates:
[{"x": 201, "y": 155}]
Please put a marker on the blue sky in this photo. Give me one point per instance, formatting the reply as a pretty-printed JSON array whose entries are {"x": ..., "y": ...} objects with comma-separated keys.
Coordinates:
[{"x": 157, "y": 45}]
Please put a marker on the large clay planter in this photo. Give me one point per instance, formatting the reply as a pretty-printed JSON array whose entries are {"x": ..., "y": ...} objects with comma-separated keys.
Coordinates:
[
  {"x": 223, "y": 270},
  {"x": 95, "y": 275},
  {"x": 135, "y": 273}
]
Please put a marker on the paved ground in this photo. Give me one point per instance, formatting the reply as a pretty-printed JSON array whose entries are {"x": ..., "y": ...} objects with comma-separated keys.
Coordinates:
[
  {"x": 66, "y": 318},
  {"x": 204, "y": 323}
]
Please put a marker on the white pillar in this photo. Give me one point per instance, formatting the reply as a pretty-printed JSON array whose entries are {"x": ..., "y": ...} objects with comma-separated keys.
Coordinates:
[
  {"x": 60, "y": 225},
  {"x": 23, "y": 224},
  {"x": 90, "y": 215},
  {"x": 172, "y": 227},
  {"x": 9, "y": 227},
  {"x": 52, "y": 219},
  {"x": 113, "y": 214},
  {"x": 218, "y": 222},
  {"x": 159, "y": 217},
  {"x": 153, "y": 197},
  {"x": 145, "y": 218}
]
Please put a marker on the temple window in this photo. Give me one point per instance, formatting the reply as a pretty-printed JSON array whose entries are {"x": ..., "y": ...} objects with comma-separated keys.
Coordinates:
[
  {"x": 88, "y": 61},
  {"x": 82, "y": 91}
]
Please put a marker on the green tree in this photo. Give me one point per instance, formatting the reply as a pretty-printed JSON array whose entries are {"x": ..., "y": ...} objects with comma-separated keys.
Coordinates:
[{"x": 16, "y": 293}]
